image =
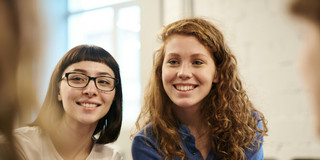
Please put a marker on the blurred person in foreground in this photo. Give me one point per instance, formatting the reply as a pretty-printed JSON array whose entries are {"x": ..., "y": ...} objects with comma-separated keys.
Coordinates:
[
  {"x": 308, "y": 12},
  {"x": 19, "y": 35}
]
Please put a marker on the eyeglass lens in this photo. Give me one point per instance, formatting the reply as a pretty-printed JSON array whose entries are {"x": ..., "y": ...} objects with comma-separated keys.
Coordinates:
[{"x": 80, "y": 80}]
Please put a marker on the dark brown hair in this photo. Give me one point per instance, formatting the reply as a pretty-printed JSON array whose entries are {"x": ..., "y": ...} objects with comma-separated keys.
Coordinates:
[
  {"x": 52, "y": 109},
  {"x": 309, "y": 9}
]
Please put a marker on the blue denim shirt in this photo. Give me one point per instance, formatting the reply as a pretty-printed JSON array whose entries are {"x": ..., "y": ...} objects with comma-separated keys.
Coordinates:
[{"x": 146, "y": 148}]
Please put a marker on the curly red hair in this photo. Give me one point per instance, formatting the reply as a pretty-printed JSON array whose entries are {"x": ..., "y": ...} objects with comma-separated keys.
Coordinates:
[{"x": 229, "y": 113}]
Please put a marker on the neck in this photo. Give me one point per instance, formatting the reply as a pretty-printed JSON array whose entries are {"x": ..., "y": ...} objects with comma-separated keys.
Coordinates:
[
  {"x": 72, "y": 140},
  {"x": 191, "y": 117}
]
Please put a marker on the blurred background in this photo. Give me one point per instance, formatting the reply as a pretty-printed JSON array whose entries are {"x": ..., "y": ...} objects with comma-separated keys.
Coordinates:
[{"x": 261, "y": 33}]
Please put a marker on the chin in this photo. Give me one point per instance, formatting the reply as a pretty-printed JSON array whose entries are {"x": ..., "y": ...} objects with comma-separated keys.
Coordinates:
[
  {"x": 186, "y": 105},
  {"x": 88, "y": 121}
]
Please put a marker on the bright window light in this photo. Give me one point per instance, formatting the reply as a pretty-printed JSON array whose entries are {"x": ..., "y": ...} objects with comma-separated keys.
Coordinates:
[
  {"x": 115, "y": 26},
  {"x": 80, "y": 5}
]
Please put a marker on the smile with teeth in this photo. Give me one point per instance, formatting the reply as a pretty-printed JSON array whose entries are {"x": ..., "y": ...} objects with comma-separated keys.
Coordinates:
[
  {"x": 184, "y": 87},
  {"x": 88, "y": 105}
]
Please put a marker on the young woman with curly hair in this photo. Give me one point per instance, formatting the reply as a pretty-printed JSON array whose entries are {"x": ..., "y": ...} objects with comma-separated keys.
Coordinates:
[{"x": 195, "y": 106}]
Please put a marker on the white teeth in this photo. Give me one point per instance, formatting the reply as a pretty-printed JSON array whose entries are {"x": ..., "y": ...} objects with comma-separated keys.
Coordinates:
[
  {"x": 89, "y": 105},
  {"x": 184, "y": 88}
]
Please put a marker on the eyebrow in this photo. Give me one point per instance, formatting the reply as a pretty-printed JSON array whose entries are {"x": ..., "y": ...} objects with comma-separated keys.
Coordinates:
[
  {"x": 173, "y": 54},
  {"x": 199, "y": 55},
  {"x": 84, "y": 71}
]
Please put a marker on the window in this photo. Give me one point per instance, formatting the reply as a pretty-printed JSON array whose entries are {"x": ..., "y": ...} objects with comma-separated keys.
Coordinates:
[{"x": 115, "y": 26}]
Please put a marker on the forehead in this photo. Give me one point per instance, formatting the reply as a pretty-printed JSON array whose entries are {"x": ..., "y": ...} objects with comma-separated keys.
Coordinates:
[
  {"x": 185, "y": 45},
  {"x": 91, "y": 68}
]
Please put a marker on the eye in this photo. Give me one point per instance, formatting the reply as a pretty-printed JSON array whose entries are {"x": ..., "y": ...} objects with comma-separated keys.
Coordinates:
[
  {"x": 104, "y": 81},
  {"x": 77, "y": 78},
  {"x": 197, "y": 62},
  {"x": 173, "y": 62}
]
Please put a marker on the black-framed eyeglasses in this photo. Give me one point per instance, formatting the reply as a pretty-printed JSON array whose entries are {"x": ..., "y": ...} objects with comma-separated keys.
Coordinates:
[{"x": 80, "y": 80}]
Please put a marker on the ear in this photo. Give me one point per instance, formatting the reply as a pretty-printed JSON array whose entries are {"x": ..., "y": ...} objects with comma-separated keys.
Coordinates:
[
  {"x": 215, "y": 78},
  {"x": 59, "y": 96}
]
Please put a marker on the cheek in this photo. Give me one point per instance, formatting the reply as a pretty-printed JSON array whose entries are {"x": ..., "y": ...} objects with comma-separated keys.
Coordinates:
[
  {"x": 66, "y": 93},
  {"x": 207, "y": 75},
  {"x": 108, "y": 98},
  {"x": 167, "y": 75}
]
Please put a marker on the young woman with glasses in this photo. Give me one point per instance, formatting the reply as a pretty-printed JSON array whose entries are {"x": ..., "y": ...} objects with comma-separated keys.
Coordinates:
[{"x": 82, "y": 110}]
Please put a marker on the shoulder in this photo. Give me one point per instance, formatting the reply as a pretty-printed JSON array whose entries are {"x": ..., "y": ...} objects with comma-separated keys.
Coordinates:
[
  {"x": 28, "y": 132},
  {"x": 258, "y": 119},
  {"x": 256, "y": 150},
  {"x": 29, "y": 142},
  {"x": 28, "y": 129},
  {"x": 147, "y": 129},
  {"x": 146, "y": 133},
  {"x": 254, "y": 154},
  {"x": 103, "y": 151},
  {"x": 31, "y": 135},
  {"x": 144, "y": 145}
]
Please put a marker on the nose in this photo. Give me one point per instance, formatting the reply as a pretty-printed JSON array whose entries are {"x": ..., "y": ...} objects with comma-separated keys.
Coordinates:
[
  {"x": 184, "y": 71},
  {"x": 91, "y": 89}
]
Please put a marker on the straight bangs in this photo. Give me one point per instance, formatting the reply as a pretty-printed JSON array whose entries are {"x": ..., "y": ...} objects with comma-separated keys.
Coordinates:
[{"x": 88, "y": 53}]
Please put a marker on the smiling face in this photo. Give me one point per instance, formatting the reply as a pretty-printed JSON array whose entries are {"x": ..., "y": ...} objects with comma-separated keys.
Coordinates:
[
  {"x": 86, "y": 105},
  {"x": 188, "y": 71}
]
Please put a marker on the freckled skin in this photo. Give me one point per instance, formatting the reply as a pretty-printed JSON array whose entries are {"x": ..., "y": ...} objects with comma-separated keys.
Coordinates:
[{"x": 187, "y": 63}]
